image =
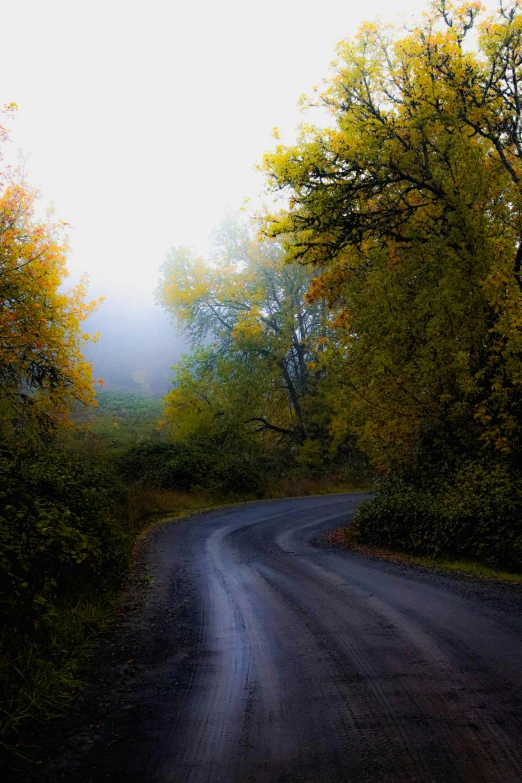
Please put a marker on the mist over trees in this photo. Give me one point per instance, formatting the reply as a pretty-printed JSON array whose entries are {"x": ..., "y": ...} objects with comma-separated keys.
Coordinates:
[
  {"x": 370, "y": 329},
  {"x": 262, "y": 351},
  {"x": 137, "y": 346}
]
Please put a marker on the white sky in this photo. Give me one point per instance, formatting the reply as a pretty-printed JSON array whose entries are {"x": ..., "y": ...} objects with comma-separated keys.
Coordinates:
[{"x": 143, "y": 120}]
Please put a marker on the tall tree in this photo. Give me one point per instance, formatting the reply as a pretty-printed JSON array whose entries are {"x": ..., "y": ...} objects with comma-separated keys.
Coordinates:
[
  {"x": 260, "y": 341},
  {"x": 411, "y": 204},
  {"x": 42, "y": 369}
]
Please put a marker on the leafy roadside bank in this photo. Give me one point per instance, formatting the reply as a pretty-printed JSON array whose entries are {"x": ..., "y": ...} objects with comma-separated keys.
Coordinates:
[
  {"x": 63, "y": 558},
  {"x": 52, "y": 614},
  {"x": 344, "y": 538},
  {"x": 472, "y": 512}
]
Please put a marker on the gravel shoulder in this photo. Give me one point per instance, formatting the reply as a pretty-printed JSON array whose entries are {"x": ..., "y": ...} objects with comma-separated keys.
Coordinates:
[{"x": 246, "y": 650}]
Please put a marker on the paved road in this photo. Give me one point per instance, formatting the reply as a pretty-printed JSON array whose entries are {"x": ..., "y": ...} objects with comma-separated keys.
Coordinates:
[{"x": 315, "y": 665}]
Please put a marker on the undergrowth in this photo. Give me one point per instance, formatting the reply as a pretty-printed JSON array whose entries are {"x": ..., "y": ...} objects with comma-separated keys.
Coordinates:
[
  {"x": 473, "y": 513},
  {"x": 345, "y": 538},
  {"x": 38, "y": 681}
]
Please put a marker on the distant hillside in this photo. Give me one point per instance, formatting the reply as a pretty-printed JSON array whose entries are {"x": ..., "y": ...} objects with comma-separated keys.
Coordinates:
[{"x": 138, "y": 345}]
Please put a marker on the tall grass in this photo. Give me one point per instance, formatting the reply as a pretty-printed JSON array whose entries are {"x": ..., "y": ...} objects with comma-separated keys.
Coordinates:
[
  {"x": 37, "y": 684},
  {"x": 303, "y": 486},
  {"x": 143, "y": 504}
]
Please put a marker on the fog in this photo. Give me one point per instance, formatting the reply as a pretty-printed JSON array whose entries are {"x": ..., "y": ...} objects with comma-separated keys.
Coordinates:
[
  {"x": 137, "y": 345},
  {"x": 142, "y": 122}
]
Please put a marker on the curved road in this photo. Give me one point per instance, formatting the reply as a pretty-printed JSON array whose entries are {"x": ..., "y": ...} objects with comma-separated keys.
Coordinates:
[{"x": 316, "y": 665}]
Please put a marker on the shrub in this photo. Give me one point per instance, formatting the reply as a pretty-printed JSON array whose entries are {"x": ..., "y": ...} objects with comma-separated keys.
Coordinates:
[
  {"x": 187, "y": 465},
  {"x": 56, "y": 532},
  {"x": 475, "y": 513},
  {"x": 59, "y": 552}
]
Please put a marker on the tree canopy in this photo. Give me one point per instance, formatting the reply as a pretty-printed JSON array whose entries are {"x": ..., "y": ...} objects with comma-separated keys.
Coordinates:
[
  {"x": 42, "y": 368},
  {"x": 410, "y": 203},
  {"x": 260, "y": 344}
]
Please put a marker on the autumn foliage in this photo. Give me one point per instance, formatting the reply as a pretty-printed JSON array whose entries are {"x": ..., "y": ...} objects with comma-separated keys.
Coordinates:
[
  {"x": 410, "y": 204},
  {"x": 370, "y": 326},
  {"x": 42, "y": 369},
  {"x": 58, "y": 543}
]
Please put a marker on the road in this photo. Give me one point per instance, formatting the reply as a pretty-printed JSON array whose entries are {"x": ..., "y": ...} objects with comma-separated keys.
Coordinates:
[{"x": 311, "y": 664}]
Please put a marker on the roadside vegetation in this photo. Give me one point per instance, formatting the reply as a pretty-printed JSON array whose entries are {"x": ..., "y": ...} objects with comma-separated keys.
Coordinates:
[
  {"x": 410, "y": 206},
  {"x": 369, "y": 334},
  {"x": 471, "y": 569}
]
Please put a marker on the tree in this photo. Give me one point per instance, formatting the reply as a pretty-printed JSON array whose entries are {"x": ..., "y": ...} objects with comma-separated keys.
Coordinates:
[
  {"x": 42, "y": 369},
  {"x": 411, "y": 205},
  {"x": 259, "y": 342}
]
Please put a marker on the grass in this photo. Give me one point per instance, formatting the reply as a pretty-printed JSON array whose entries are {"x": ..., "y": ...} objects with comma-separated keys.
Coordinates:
[
  {"x": 144, "y": 506},
  {"x": 472, "y": 569},
  {"x": 304, "y": 486},
  {"x": 143, "y": 502},
  {"x": 37, "y": 685}
]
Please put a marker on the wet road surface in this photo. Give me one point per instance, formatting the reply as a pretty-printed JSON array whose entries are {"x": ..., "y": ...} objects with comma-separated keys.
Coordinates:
[
  {"x": 268, "y": 659},
  {"x": 317, "y": 666}
]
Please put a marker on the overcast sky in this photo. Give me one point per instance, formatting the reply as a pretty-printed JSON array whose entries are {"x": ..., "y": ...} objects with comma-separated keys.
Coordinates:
[{"x": 143, "y": 120}]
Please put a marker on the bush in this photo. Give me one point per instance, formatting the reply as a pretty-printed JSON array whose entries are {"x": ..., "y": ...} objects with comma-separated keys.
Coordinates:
[
  {"x": 475, "y": 513},
  {"x": 189, "y": 465},
  {"x": 59, "y": 551},
  {"x": 56, "y": 531}
]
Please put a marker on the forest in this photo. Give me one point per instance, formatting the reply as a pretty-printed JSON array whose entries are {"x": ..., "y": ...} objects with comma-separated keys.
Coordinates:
[{"x": 364, "y": 333}]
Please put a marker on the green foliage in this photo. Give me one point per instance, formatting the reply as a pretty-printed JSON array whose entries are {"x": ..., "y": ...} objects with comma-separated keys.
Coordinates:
[
  {"x": 37, "y": 676},
  {"x": 475, "y": 512},
  {"x": 194, "y": 465},
  {"x": 120, "y": 420},
  {"x": 57, "y": 532},
  {"x": 265, "y": 357},
  {"x": 124, "y": 405},
  {"x": 59, "y": 550}
]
